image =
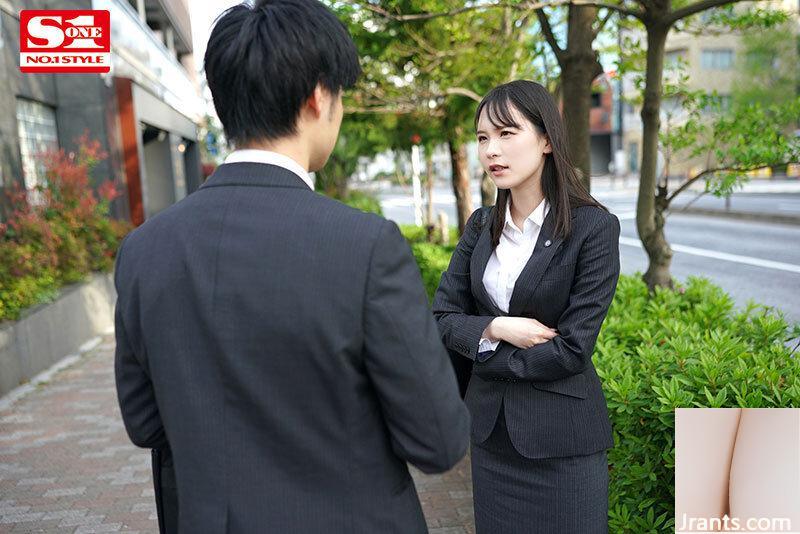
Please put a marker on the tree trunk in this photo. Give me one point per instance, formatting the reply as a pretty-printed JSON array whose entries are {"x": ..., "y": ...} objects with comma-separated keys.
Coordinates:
[
  {"x": 430, "y": 224},
  {"x": 398, "y": 165},
  {"x": 649, "y": 208},
  {"x": 342, "y": 187},
  {"x": 579, "y": 67},
  {"x": 488, "y": 191},
  {"x": 429, "y": 186},
  {"x": 458, "y": 160}
]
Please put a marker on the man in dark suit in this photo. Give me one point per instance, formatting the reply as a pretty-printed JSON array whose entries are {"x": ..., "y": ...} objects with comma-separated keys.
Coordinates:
[{"x": 277, "y": 341}]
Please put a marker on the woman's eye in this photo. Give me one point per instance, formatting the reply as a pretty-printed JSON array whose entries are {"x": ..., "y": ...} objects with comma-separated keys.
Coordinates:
[
  {"x": 481, "y": 139},
  {"x": 504, "y": 132}
]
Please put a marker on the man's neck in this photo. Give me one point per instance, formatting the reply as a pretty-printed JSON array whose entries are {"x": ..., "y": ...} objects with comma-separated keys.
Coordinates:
[{"x": 291, "y": 148}]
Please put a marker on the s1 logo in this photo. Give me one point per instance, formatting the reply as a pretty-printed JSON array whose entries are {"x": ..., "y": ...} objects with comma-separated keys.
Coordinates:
[
  {"x": 65, "y": 40},
  {"x": 80, "y": 31}
]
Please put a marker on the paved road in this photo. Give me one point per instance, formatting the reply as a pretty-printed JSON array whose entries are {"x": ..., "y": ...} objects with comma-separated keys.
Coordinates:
[
  {"x": 787, "y": 204},
  {"x": 66, "y": 464},
  {"x": 749, "y": 259}
]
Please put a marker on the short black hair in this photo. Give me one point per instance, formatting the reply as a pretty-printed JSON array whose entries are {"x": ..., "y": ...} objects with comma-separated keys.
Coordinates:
[{"x": 263, "y": 62}]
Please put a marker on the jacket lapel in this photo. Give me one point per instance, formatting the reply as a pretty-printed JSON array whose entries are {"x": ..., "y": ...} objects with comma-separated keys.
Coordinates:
[
  {"x": 531, "y": 274},
  {"x": 480, "y": 257}
]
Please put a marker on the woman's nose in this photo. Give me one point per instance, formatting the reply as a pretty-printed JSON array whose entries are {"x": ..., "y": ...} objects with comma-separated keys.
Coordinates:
[{"x": 492, "y": 149}]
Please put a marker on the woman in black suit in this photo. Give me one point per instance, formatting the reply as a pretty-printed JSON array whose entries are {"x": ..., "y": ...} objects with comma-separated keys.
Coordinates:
[{"x": 522, "y": 302}]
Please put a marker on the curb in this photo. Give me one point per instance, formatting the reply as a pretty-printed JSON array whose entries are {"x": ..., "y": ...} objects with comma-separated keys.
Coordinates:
[
  {"x": 10, "y": 398},
  {"x": 741, "y": 215}
]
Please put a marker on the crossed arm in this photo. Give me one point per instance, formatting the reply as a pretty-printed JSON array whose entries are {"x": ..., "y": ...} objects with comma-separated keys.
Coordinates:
[{"x": 563, "y": 355}]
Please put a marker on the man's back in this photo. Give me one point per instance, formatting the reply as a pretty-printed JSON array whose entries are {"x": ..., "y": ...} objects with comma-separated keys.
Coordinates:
[{"x": 292, "y": 362}]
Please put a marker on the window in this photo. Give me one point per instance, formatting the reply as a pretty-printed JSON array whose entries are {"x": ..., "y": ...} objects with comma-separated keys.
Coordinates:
[
  {"x": 759, "y": 59},
  {"x": 36, "y": 128},
  {"x": 673, "y": 58},
  {"x": 710, "y": 16},
  {"x": 717, "y": 59},
  {"x": 671, "y": 105},
  {"x": 633, "y": 156},
  {"x": 596, "y": 100},
  {"x": 718, "y": 103}
]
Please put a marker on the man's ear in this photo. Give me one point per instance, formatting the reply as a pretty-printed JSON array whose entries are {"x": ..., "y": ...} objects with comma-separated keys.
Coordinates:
[{"x": 316, "y": 101}]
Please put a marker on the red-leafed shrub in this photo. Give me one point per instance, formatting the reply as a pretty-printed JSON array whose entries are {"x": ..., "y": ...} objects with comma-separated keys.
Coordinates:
[{"x": 59, "y": 232}]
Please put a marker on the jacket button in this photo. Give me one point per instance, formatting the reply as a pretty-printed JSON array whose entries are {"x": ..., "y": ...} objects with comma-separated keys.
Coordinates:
[{"x": 547, "y": 243}]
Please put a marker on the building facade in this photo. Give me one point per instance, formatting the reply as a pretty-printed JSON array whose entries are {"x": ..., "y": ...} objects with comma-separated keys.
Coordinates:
[
  {"x": 712, "y": 63},
  {"x": 145, "y": 113}
]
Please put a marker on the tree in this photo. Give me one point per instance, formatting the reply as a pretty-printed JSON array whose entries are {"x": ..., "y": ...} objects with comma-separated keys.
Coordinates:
[
  {"x": 435, "y": 68},
  {"x": 659, "y": 17},
  {"x": 576, "y": 58},
  {"x": 212, "y": 141},
  {"x": 767, "y": 70},
  {"x": 580, "y": 66},
  {"x": 358, "y": 137},
  {"x": 747, "y": 137}
]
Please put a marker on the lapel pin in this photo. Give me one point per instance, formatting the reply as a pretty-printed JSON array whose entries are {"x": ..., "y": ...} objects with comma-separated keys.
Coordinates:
[{"x": 547, "y": 243}]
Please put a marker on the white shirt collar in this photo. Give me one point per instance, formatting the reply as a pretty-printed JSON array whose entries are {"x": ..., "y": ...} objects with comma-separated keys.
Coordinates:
[
  {"x": 537, "y": 215},
  {"x": 253, "y": 155}
]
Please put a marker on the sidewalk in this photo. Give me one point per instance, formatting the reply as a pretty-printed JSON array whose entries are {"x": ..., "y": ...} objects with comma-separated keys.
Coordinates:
[
  {"x": 775, "y": 201},
  {"x": 66, "y": 464},
  {"x": 630, "y": 184}
]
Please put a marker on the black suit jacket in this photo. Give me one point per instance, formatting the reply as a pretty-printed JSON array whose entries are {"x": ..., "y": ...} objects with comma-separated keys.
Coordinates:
[
  {"x": 281, "y": 343},
  {"x": 554, "y": 404}
]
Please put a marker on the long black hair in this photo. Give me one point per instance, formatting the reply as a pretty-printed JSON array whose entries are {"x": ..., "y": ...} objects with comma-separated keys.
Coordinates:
[{"x": 561, "y": 180}]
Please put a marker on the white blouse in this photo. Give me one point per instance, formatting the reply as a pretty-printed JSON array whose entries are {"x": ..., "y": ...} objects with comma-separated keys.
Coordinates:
[{"x": 509, "y": 258}]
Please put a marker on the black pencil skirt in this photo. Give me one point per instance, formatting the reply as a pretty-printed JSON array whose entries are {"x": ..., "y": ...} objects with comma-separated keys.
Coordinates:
[{"x": 517, "y": 495}]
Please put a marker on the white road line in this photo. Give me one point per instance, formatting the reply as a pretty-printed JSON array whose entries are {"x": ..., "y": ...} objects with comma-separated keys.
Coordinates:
[{"x": 736, "y": 258}]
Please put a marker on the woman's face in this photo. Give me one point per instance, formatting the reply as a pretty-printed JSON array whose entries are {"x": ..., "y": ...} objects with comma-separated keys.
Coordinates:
[{"x": 511, "y": 155}]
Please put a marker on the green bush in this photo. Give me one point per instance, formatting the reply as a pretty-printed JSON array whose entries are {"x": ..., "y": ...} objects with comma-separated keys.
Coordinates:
[
  {"x": 60, "y": 238},
  {"x": 363, "y": 201},
  {"x": 414, "y": 233},
  {"x": 419, "y": 234},
  {"x": 681, "y": 348},
  {"x": 432, "y": 260}
]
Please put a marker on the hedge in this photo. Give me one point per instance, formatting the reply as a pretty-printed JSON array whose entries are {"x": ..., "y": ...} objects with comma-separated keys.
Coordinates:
[
  {"x": 687, "y": 347},
  {"x": 58, "y": 233}
]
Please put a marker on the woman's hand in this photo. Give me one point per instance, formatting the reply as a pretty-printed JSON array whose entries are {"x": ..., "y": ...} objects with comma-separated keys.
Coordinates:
[{"x": 521, "y": 332}]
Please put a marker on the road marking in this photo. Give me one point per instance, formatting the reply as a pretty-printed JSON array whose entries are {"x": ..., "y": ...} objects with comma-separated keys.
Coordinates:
[{"x": 736, "y": 258}]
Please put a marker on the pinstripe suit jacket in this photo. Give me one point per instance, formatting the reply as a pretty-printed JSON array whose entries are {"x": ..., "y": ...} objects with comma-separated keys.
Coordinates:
[
  {"x": 554, "y": 404},
  {"x": 282, "y": 344}
]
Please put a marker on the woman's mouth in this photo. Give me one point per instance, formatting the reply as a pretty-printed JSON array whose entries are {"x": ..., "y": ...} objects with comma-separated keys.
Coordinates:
[{"x": 497, "y": 170}]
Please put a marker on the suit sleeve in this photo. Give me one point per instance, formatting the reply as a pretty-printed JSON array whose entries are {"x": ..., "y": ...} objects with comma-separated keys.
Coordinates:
[
  {"x": 578, "y": 326},
  {"x": 453, "y": 304},
  {"x": 135, "y": 392},
  {"x": 428, "y": 423}
]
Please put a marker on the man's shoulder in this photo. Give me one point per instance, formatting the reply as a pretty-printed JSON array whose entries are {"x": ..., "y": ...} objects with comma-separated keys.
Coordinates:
[
  {"x": 321, "y": 215},
  {"x": 153, "y": 224},
  {"x": 329, "y": 214}
]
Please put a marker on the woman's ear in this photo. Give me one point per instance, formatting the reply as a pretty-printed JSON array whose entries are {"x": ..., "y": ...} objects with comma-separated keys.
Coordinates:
[{"x": 548, "y": 148}]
